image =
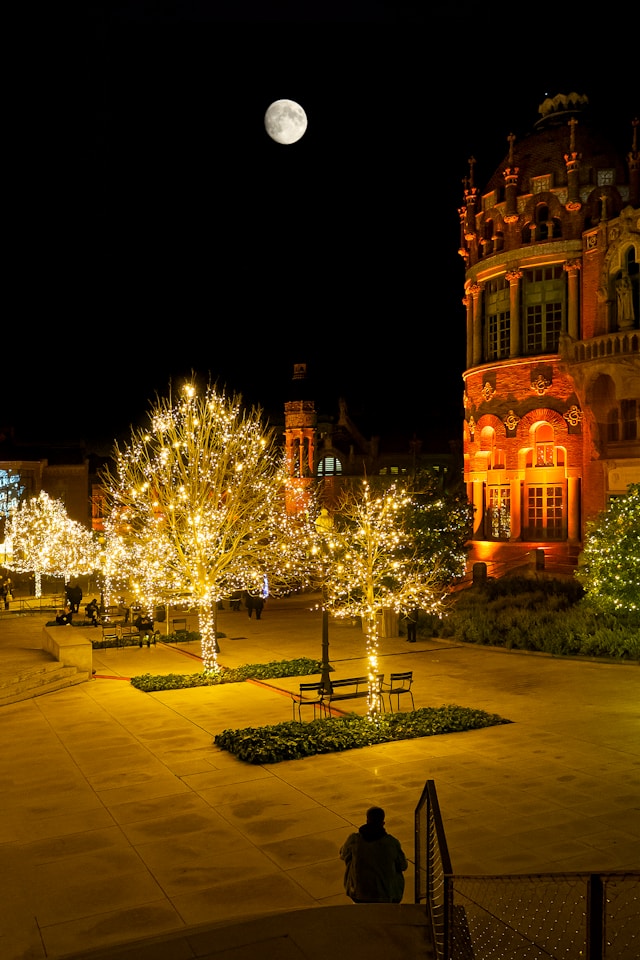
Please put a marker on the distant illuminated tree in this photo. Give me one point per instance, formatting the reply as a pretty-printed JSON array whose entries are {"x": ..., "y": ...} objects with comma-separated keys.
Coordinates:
[
  {"x": 441, "y": 523},
  {"x": 198, "y": 498},
  {"x": 10, "y": 492},
  {"x": 609, "y": 566},
  {"x": 44, "y": 541},
  {"x": 373, "y": 563}
]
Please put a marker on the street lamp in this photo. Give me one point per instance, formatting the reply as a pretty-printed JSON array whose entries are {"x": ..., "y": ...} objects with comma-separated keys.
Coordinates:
[{"x": 324, "y": 524}]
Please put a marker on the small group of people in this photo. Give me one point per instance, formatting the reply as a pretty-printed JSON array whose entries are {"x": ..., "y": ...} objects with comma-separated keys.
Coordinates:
[
  {"x": 6, "y": 592},
  {"x": 374, "y": 862}
]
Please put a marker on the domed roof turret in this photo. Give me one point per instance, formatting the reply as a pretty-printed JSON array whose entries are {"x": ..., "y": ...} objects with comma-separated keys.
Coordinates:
[{"x": 565, "y": 127}]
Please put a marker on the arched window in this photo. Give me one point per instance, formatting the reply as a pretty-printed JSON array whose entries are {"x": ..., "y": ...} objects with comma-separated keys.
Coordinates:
[
  {"x": 544, "y": 453},
  {"x": 329, "y": 467},
  {"x": 542, "y": 224}
]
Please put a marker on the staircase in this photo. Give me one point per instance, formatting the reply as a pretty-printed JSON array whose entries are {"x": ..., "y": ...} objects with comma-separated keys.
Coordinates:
[{"x": 34, "y": 681}]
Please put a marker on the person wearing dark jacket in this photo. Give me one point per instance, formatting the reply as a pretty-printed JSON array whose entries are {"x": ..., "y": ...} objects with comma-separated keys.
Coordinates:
[{"x": 374, "y": 862}]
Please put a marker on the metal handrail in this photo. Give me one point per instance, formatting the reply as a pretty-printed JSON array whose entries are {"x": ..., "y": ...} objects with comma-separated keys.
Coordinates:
[{"x": 489, "y": 916}]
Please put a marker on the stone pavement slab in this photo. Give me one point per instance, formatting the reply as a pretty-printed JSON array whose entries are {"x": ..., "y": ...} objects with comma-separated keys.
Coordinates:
[{"x": 121, "y": 819}]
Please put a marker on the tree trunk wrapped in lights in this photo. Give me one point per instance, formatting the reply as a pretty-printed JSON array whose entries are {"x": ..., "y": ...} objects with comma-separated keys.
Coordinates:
[
  {"x": 372, "y": 564},
  {"x": 198, "y": 498}
]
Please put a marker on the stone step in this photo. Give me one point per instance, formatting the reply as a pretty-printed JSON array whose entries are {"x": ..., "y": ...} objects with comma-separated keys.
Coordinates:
[
  {"x": 37, "y": 682},
  {"x": 30, "y": 673},
  {"x": 365, "y": 931}
]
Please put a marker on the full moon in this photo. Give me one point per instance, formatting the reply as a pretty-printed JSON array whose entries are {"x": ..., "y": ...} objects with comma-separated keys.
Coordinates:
[{"x": 285, "y": 121}]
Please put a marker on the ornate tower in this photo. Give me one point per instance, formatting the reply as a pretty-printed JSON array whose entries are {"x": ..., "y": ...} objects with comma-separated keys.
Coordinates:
[
  {"x": 552, "y": 385},
  {"x": 300, "y": 421}
]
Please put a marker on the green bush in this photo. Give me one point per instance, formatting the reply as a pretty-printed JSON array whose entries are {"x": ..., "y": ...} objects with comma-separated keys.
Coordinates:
[
  {"x": 293, "y": 740},
  {"x": 302, "y": 667},
  {"x": 539, "y": 613}
]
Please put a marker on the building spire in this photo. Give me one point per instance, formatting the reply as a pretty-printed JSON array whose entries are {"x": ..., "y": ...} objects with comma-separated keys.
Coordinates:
[
  {"x": 572, "y": 160},
  {"x": 634, "y": 166}
]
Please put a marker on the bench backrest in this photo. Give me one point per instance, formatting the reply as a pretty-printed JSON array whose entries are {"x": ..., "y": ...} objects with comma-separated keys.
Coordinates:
[
  {"x": 355, "y": 681},
  {"x": 406, "y": 677}
]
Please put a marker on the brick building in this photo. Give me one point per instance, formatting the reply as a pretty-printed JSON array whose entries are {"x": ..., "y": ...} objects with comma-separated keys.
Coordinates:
[
  {"x": 329, "y": 451},
  {"x": 551, "y": 246}
]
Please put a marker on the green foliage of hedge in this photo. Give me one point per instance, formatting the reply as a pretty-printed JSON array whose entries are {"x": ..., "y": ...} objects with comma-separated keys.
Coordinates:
[
  {"x": 302, "y": 667},
  {"x": 539, "y": 613},
  {"x": 294, "y": 740}
]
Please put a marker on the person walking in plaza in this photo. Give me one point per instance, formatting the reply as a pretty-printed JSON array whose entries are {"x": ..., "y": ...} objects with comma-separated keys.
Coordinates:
[
  {"x": 411, "y": 621},
  {"x": 374, "y": 862},
  {"x": 254, "y": 604}
]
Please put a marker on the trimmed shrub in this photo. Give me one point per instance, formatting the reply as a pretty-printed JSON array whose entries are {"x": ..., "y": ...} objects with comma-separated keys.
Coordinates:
[
  {"x": 294, "y": 740},
  {"x": 301, "y": 667}
]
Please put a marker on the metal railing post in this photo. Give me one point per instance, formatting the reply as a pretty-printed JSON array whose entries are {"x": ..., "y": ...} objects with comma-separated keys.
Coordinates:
[{"x": 595, "y": 904}]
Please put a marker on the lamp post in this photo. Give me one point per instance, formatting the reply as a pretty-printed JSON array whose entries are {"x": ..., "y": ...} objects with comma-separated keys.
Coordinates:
[{"x": 323, "y": 526}]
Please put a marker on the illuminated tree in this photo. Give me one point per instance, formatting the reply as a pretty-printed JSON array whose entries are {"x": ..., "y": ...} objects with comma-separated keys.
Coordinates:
[
  {"x": 198, "y": 498},
  {"x": 609, "y": 566},
  {"x": 441, "y": 523},
  {"x": 374, "y": 563},
  {"x": 44, "y": 541},
  {"x": 10, "y": 492}
]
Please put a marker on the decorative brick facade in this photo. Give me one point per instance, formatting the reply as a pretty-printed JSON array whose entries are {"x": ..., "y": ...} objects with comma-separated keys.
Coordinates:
[{"x": 552, "y": 387}]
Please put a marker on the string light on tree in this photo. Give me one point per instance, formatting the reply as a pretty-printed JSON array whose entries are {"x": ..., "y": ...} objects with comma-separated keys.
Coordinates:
[
  {"x": 45, "y": 541},
  {"x": 374, "y": 565},
  {"x": 199, "y": 500},
  {"x": 609, "y": 566}
]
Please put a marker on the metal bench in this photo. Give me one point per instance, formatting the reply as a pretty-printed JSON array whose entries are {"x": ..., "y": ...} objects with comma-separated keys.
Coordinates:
[{"x": 355, "y": 688}]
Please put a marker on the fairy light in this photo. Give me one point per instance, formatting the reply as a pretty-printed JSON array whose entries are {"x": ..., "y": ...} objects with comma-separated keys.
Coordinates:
[
  {"x": 609, "y": 566},
  {"x": 45, "y": 541},
  {"x": 198, "y": 501},
  {"x": 371, "y": 564}
]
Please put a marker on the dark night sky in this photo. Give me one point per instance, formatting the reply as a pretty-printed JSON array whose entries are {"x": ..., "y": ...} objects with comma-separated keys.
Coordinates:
[{"x": 159, "y": 230}]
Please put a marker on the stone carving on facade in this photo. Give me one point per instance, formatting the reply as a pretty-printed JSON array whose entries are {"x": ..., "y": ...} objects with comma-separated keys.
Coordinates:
[
  {"x": 472, "y": 427},
  {"x": 624, "y": 298},
  {"x": 572, "y": 266},
  {"x": 511, "y": 421},
  {"x": 540, "y": 385},
  {"x": 466, "y": 400},
  {"x": 573, "y": 416},
  {"x": 488, "y": 391}
]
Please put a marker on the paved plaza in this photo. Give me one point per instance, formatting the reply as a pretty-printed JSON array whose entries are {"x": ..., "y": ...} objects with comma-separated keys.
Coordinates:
[{"x": 122, "y": 821}]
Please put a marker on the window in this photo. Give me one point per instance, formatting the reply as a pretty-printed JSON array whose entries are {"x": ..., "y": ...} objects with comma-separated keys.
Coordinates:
[
  {"x": 612, "y": 429},
  {"x": 544, "y": 298},
  {"x": 544, "y": 449},
  {"x": 606, "y": 177},
  {"x": 498, "y": 319},
  {"x": 629, "y": 417},
  {"x": 545, "y": 512},
  {"x": 499, "y": 512},
  {"x": 329, "y": 467}
]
